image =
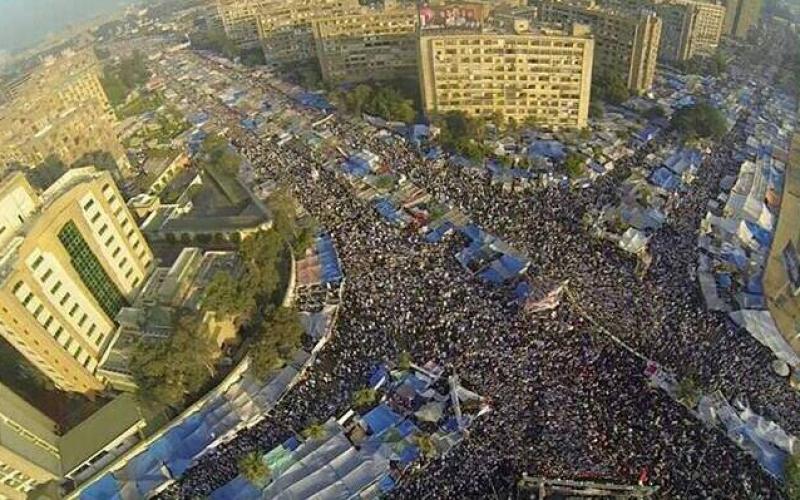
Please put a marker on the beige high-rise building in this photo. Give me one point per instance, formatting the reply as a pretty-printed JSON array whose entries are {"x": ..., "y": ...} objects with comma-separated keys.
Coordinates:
[
  {"x": 741, "y": 15},
  {"x": 626, "y": 43},
  {"x": 29, "y": 453},
  {"x": 376, "y": 45},
  {"x": 72, "y": 257},
  {"x": 60, "y": 109},
  {"x": 36, "y": 455},
  {"x": 689, "y": 29},
  {"x": 240, "y": 19},
  {"x": 285, "y": 28},
  {"x": 543, "y": 74}
]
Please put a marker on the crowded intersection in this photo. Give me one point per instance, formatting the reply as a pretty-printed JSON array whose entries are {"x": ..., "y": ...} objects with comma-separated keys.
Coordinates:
[{"x": 568, "y": 399}]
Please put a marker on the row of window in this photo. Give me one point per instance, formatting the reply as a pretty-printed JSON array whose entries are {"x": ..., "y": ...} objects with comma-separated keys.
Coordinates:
[
  {"x": 79, "y": 318},
  {"x": 51, "y": 325},
  {"x": 125, "y": 223}
]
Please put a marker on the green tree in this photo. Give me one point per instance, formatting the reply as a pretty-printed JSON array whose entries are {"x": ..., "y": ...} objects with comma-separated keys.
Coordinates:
[
  {"x": 656, "y": 111},
  {"x": 701, "y": 120},
  {"x": 167, "y": 371},
  {"x": 611, "y": 88},
  {"x": 425, "y": 444},
  {"x": 253, "y": 468},
  {"x": 46, "y": 173},
  {"x": 227, "y": 297},
  {"x": 463, "y": 134},
  {"x": 218, "y": 41},
  {"x": 792, "y": 477},
  {"x": 364, "y": 398},
  {"x": 404, "y": 360},
  {"x": 314, "y": 432},
  {"x": 284, "y": 212},
  {"x": 280, "y": 335},
  {"x": 596, "y": 109},
  {"x": 260, "y": 254},
  {"x": 119, "y": 80},
  {"x": 575, "y": 164},
  {"x": 688, "y": 391}
]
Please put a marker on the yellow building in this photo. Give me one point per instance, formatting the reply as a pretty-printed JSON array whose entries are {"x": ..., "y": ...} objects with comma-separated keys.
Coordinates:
[
  {"x": 626, "y": 43},
  {"x": 34, "y": 452},
  {"x": 28, "y": 447},
  {"x": 59, "y": 109},
  {"x": 239, "y": 19},
  {"x": 72, "y": 258},
  {"x": 690, "y": 29},
  {"x": 376, "y": 45},
  {"x": 741, "y": 15},
  {"x": 540, "y": 74},
  {"x": 285, "y": 28}
]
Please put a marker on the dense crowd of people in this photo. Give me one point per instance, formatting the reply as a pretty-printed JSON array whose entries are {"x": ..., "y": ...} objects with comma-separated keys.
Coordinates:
[{"x": 567, "y": 401}]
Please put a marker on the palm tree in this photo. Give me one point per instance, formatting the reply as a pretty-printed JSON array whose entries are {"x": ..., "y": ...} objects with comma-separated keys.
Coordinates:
[
  {"x": 425, "y": 444},
  {"x": 252, "y": 468},
  {"x": 404, "y": 360},
  {"x": 364, "y": 397},
  {"x": 688, "y": 391},
  {"x": 314, "y": 432}
]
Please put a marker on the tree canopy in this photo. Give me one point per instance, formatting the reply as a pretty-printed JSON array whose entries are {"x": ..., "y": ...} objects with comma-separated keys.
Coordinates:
[
  {"x": 611, "y": 88},
  {"x": 792, "y": 477},
  {"x": 253, "y": 468},
  {"x": 167, "y": 371},
  {"x": 384, "y": 101},
  {"x": 463, "y": 134},
  {"x": 280, "y": 335},
  {"x": 227, "y": 297},
  {"x": 314, "y": 432},
  {"x": 701, "y": 120},
  {"x": 364, "y": 398},
  {"x": 119, "y": 80},
  {"x": 575, "y": 163}
]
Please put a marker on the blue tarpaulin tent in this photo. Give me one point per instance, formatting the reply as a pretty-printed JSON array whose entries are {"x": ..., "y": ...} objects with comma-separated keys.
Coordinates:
[
  {"x": 105, "y": 488},
  {"x": 663, "y": 178},
  {"x": 238, "y": 489},
  {"x": 380, "y": 418},
  {"x": 329, "y": 260},
  {"x": 291, "y": 444},
  {"x": 438, "y": 233},
  {"x": 379, "y": 373},
  {"x": 386, "y": 484}
]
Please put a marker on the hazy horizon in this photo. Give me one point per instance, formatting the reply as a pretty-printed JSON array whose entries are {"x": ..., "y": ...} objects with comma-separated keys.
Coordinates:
[{"x": 24, "y": 23}]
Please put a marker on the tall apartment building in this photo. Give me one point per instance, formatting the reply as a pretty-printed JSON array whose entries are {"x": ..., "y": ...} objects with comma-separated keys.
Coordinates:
[
  {"x": 285, "y": 28},
  {"x": 72, "y": 257},
  {"x": 59, "y": 109},
  {"x": 240, "y": 20},
  {"x": 540, "y": 74},
  {"x": 741, "y": 15},
  {"x": 371, "y": 45},
  {"x": 28, "y": 447},
  {"x": 626, "y": 43},
  {"x": 34, "y": 451},
  {"x": 689, "y": 29}
]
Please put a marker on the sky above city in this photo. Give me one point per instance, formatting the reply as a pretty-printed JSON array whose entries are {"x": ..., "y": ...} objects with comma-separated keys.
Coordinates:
[{"x": 26, "y": 22}]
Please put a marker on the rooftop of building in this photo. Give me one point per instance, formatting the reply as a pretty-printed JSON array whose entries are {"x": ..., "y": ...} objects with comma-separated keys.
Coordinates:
[
  {"x": 99, "y": 430},
  {"x": 182, "y": 285},
  {"x": 520, "y": 27},
  {"x": 222, "y": 205}
]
